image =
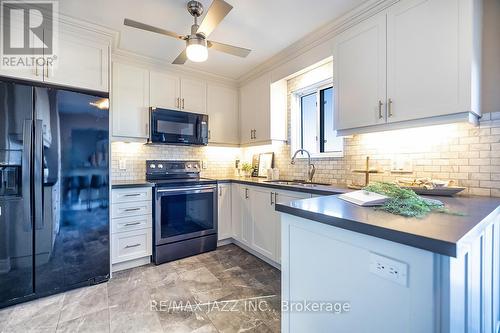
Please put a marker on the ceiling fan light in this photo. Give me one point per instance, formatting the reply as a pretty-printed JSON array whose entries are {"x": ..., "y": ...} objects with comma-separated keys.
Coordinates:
[{"x": 196, "y": 49}]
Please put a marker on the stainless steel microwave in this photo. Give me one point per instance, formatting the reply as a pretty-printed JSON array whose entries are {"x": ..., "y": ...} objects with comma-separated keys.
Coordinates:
[{"x": 178, "y": 127}]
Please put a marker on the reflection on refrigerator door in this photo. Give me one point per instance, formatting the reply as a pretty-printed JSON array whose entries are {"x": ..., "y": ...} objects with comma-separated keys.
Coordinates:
[
  {"x": 72, "y": 244},
  {"x": 16, "y": 238}
]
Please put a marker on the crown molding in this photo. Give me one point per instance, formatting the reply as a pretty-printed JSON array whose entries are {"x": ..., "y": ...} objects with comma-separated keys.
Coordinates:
[
  {"x": 120, "y": 55},
  {"x": 317, "y": 37}
]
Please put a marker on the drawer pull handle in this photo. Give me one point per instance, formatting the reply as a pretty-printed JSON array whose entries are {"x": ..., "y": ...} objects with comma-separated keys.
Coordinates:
[
  {"x": 130, "y": 224},
  {"x": 130, "y": 246},
  {"x": 132, "y": 195},
  {"x": 131, "y": 209}
]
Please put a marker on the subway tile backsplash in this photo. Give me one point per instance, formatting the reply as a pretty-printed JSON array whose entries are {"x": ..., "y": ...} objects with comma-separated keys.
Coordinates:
[
  {"x": 219, "y": 161},
  {"x": 466, "y": 154}
]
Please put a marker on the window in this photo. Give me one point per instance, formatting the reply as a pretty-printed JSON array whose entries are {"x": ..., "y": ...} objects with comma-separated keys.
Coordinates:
[{"x": 313, "y": 122}]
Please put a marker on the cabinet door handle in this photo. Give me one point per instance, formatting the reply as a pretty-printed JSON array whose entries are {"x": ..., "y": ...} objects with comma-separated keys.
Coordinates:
[
  {"x": 183, "y": 103},
  {"x": 246, "y": 193},
  {"x": 131, "y": 224},
  {"x": 132, "y": 195},
  {"x": 220, "y": 191},
  {"x": 255, "y": 134},
  {"x": 380, "y": 104},
  {"x": 130, "y": 246},
  {"x": 209, "y": 134},
  {"x": 132, "y": 209},
  {"x": 36, "y": 68},
  {"x": 272, "y": 201},
  {"x": 389, "y": 106},
  {"x": 47, "y": 70}
]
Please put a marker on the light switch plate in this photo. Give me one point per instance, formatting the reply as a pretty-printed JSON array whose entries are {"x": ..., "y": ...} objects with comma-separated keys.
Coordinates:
[
  {"x": 122, "y": 164},
  {"x": 389, "y": 269}
]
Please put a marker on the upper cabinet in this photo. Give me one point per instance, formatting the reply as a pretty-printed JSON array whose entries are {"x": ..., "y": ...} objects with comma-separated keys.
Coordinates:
[
  {"x": 415, "y": 63},
  {"x": 222, "y": 109},
  {"x": 176, "y": 93},
  {"x": 130, "y": 101},
  {"x": 360, "y": 79},
  {"x": 164, "y": 90},
  {"x": 262, "y": 111},
  {"x": 81, "y": 61},
  {"x": 193, "y": 95},
  {"x": 135, "y": 89}
]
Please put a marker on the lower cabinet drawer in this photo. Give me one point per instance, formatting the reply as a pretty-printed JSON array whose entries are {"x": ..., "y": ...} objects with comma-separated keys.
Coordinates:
[
  {"x": 130, "y": 194},
  {"x": 132, "y": 245},
  {"x": 131, "y": 223},
  {"x": 127, "y": 209}
]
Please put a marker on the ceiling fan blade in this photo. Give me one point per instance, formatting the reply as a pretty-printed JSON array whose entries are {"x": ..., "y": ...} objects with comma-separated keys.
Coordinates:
[
  {"x": 181, "y": 58},
  {"x": 147, "y": 27},
  {"x": 226, "y": 48},
  {"x": 216, "y": 13}
]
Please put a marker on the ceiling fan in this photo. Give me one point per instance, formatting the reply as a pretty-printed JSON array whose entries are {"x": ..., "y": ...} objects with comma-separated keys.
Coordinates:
[{"x": 197, "y": 43}]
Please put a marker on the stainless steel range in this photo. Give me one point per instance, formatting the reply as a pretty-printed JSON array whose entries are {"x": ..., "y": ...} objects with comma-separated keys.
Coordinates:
[{"x": 185, "y": 210}]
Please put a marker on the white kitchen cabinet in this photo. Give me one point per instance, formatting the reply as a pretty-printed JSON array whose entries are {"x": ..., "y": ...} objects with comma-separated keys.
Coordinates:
[
  {"x": 255, "y": 222},
  {"x": 130, "y": 101},
  {"x": 246, "y": 215},
  {"x": 224, "y": 211},
  {"x": 262, "y": 111},
  {"x": 284, "y": 197},
  {"x": 177, "y": 93},
  {"x": 236, "y": 200},
  {"x": 164, "y": 90},
  {"x": 131, "y": 227},
  {"x": 241, "y": 214},
  {"x": 360, "y": 74},
  {"x": 264, "y": 225},
  {"x": 32, "y": 73},
  {"x": 413, "y": 64},
  {"x": 193, "y": 95},
  {"x": 222, "y": 109},
  {"x": 82, "y": 62},
  {"x": 427, "y": 59}
]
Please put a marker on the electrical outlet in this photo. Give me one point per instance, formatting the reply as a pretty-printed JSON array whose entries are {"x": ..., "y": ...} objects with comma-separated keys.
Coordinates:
[
  {"x": 389, "y": 269},
  {"x": 122, "y": 164}
]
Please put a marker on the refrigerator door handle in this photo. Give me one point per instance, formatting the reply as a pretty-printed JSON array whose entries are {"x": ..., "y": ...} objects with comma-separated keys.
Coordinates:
[
  {"x": 26, "y": 173},
  {"x": 38, "y": 175}
]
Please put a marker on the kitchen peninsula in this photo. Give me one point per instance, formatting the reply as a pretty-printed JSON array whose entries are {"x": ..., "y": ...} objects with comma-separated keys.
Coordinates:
[{"x": 436, "y": 274}]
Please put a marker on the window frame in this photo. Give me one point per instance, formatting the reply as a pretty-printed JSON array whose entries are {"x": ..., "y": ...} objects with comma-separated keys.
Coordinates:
[{"x": 296, "y": 120}]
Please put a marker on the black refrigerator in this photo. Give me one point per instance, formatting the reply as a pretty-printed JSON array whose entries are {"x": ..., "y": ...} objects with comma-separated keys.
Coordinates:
[{"x": 54, "y": 190}]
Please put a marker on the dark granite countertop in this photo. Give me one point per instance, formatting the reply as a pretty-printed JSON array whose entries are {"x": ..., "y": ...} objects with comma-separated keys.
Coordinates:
[
  {"x": 318, "y": 189},
  {"x": 439, "y": 233},
  {"x": 131, "y": 183}
]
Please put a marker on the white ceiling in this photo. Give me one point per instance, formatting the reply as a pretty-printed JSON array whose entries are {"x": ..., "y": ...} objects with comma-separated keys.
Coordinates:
[{"x": 265, "y": 26}]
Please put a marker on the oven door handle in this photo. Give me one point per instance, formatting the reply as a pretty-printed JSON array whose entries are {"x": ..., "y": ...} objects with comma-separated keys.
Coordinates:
[{"x": 188, "y": 189}]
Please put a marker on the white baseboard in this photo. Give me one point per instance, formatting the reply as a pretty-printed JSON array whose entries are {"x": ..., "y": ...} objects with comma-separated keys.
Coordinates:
[
  {"x": 131, "y": 264},
  {"x": 225, "y": 241}
]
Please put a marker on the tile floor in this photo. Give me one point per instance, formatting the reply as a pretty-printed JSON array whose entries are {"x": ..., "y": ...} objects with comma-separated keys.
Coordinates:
[{"x": 227, "y": 290}]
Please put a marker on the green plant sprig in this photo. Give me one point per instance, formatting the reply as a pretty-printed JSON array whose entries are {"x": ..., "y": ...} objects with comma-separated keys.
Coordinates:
[{"x": 406, "y": 202}]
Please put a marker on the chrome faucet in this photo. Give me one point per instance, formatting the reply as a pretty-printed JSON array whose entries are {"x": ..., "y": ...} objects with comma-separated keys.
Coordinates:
[{"x": 311, "y": 169}]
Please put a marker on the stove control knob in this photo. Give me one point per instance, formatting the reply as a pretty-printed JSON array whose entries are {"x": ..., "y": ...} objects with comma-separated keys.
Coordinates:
[
  {"x": 196, "y": 166},
  {"x": 152, "y": 166},
  {"x": 160, "y": 166},
  {"x": 188, "y": 166}
]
